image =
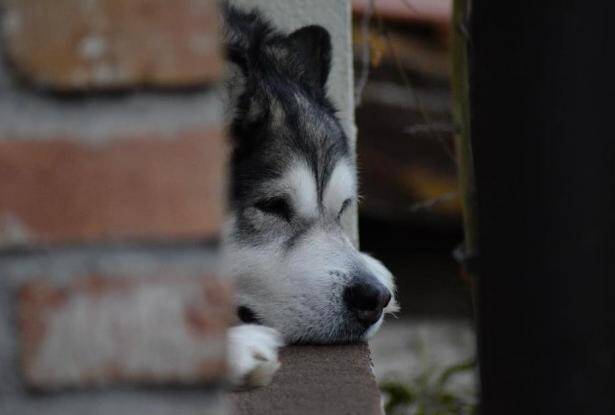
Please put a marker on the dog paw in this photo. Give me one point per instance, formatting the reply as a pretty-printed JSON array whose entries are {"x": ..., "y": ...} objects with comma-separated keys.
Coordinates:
[{"x": 253, "y": 355}]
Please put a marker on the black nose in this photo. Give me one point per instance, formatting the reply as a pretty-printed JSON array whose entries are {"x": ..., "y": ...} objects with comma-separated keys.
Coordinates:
[{"x": 366, "y": 298}]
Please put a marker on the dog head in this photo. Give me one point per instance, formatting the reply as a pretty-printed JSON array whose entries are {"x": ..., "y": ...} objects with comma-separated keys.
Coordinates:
[{"x": 293, "y": 179}]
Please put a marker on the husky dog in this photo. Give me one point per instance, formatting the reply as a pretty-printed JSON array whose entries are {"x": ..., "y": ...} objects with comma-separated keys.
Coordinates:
[{"x": 298, "y": 277}]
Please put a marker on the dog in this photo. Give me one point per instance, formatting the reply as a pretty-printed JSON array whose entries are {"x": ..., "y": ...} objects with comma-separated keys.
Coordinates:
[{"x": 298, "y": 277}]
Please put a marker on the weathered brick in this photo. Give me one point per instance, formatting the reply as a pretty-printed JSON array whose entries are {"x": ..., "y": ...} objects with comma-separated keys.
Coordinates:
[
  {"x": 98, "y": 330},
  {"x": 157, "y": 188},
  {"x": 111, "y": 44}
]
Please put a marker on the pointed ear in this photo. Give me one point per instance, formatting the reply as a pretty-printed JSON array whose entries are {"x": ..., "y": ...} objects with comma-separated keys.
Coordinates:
[{"x": 312, "y": 44}]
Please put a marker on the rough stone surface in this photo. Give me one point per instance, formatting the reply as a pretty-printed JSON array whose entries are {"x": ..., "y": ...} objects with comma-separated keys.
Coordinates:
[
  {"x": 98, "y": 330},
  {"x": 63, "y": 190},
  {"x": 316, "y": 380},
  {"x": 111, "y": 44}
]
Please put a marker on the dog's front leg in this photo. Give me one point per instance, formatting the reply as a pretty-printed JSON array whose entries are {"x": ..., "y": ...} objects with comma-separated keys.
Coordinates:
[{"x": 253, "y": 355}]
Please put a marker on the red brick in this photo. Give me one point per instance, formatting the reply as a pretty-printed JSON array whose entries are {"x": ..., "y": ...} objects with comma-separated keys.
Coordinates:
[
  {"x": 99, "y": 330},
  {"x": 134, "y": 188},
  {"x": 111, "y": 44}
]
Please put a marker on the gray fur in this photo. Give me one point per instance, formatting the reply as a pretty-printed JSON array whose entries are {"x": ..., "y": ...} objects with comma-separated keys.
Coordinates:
[{"x": 292, "y": 178}]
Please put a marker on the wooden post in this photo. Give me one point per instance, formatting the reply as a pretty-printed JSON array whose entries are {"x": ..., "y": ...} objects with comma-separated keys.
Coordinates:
[
  {"x": 463, "y": 144},
  {"x": 542, "y": 91}
]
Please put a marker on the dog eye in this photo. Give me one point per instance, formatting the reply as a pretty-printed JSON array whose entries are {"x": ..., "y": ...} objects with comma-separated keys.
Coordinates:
[
  {"x": 277, "y": 206},
  {"x": 344, "y": 207}
]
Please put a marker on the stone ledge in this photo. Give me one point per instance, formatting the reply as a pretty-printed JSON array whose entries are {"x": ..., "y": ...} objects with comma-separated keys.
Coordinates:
[{"x": 321, "y": 380}]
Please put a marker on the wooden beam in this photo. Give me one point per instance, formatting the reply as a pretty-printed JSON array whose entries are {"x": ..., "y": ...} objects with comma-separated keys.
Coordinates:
[{"x": 542, "y": 93}]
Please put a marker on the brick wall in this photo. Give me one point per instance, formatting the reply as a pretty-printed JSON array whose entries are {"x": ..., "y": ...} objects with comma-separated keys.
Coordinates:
[{"x": 112, "y": 157}]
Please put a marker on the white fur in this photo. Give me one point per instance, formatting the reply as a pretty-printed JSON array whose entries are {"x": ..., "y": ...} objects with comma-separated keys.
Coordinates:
[
  {"x": 341, "y": 186},
  {"x": 297, "y": 290},
  {"x": 300, "y": 183},
  {"x": 253, "y": 355}
]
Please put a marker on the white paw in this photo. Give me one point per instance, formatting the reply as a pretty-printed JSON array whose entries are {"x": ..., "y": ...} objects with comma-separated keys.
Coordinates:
[{"x": 253, "y": 355}]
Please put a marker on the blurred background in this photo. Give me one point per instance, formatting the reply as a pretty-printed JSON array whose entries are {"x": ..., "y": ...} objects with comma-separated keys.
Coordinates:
[
  {"x": 99, "y": 139},
  {"x": 410, "y": 214}
]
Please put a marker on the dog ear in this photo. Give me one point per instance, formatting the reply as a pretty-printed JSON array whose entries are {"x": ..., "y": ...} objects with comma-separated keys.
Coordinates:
[{"x": 312, "y": 45}]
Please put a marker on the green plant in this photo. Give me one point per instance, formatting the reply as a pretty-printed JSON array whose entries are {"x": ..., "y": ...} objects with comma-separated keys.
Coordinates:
[{"x": 428, "y": 394}]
